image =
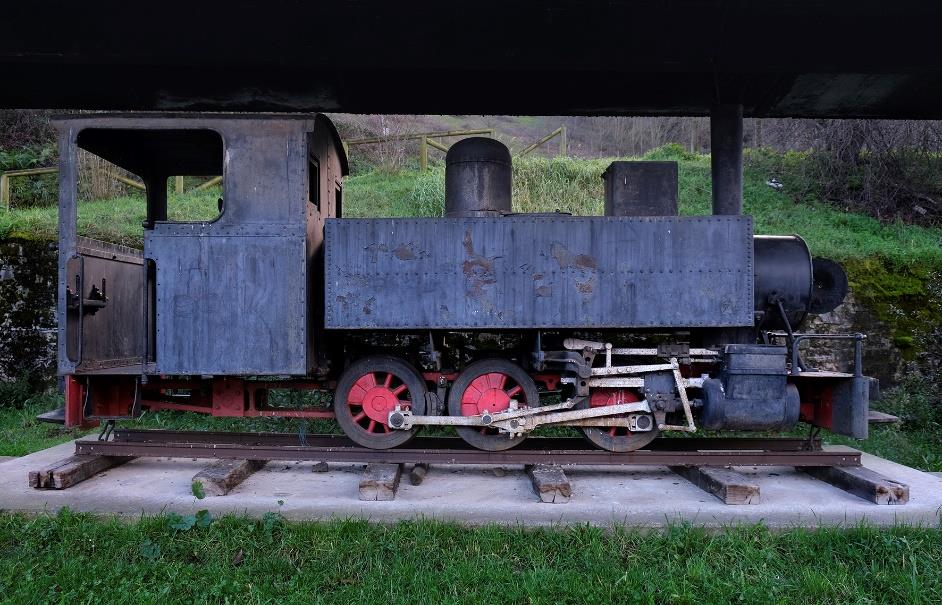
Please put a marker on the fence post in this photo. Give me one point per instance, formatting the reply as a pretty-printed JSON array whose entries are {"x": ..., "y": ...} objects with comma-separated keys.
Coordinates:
[
  {"x": 216, "y": 180},
  {"x": 179, "y": 184},
  {"x": 563, "y": 142},
  {"x": 5, "y": 191},
  {"x": 423, "y": 153}
]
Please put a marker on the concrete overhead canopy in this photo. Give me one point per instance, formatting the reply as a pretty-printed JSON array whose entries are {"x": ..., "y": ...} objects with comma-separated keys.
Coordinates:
[{"x": 799, "y": 58}]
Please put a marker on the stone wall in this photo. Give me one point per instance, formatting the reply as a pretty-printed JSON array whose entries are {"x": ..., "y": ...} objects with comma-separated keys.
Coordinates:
[
  {"x": 881, "y": 358},
  {"x": 27, "y": 308}
]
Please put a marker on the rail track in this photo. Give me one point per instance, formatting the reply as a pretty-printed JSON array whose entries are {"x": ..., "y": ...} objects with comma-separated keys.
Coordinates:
[
  {"x": 692, "y": 451},
  {"x": 707, "y": 462}
]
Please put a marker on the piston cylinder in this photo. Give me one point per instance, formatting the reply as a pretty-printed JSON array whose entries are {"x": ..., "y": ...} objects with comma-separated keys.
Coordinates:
[
  {"x": 478, "y": 178},
  {"x": 752, "y": 392}
]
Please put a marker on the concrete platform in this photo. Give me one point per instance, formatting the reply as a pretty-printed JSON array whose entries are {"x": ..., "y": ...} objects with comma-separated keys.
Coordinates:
[{"x": 648, "y": 496}]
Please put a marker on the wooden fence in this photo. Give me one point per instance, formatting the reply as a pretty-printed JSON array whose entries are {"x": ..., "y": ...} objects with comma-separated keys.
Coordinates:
[
  {"x": 429, "y": 139},
  {"x": 5, "y": 194}
]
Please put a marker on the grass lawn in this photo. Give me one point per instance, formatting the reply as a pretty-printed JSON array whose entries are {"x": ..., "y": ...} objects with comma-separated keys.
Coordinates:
[
  {"x": 71, "y": 558},
  {"x": 21, "y": 433}
]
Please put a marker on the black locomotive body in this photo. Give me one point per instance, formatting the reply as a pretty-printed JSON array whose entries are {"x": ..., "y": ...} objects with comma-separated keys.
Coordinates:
[{"x": 625, "y": 325}]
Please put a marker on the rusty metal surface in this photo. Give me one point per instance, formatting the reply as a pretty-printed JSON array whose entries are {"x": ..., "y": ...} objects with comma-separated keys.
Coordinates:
[
  {"x": 448, "y": 450},
  {"x": 533, "y": 443},
  {"x": 539, "y": 272},
  {"x": 231, "y": 292}
]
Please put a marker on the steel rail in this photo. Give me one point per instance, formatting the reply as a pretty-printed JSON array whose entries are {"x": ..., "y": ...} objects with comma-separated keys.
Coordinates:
[
  {"x": 532, "y": 443},
  {"x": 449, "y": 450}
]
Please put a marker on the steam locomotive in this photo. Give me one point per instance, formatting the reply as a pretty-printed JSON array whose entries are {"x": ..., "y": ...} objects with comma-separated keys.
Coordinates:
[{"x": 495, "y": 323}]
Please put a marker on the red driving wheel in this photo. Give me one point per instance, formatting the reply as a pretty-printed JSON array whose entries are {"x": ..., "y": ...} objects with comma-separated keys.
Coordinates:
[
  {"x": 489, "y": 393},
  {"x": 368, "y": 391},
  {"x": 618, "y": 438},
  {"x": 488, "y": 386}
]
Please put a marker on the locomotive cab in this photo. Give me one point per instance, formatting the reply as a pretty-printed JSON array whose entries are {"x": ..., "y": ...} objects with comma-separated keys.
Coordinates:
[{"x": 233, "y": 293}]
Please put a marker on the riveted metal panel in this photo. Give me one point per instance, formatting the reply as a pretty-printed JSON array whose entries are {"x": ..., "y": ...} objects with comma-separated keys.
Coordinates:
[
  {"x": 539, "y": 272},
  {"x": 230, "y": 304}
]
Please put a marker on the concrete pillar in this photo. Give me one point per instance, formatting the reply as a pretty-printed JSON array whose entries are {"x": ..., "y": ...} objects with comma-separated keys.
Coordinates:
[{"x": 726, "y": 158}]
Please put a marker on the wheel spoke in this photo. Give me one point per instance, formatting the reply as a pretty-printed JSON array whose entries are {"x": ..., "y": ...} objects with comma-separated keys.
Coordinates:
[
  {"x": 399, "y": 389},
  {"x": 489, "y": 381},
  {"x": 501, "y": 381},
  {"x": 388, "y": 382},
  {"x": 355, "y": 396},
  {"x": 515, "y": 390},
  {"x": 359, "y": 416},
  {"x": 370, "y": 428},
  {"x": 360, "y": 388},
  {"x": 473, "y": 391}
]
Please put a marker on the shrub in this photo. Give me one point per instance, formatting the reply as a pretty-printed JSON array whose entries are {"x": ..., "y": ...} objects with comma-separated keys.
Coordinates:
[
  {"x": 39, "y": 190},
  {"x": 15, "y": 393},
  {"x": 916, "y": 401}
]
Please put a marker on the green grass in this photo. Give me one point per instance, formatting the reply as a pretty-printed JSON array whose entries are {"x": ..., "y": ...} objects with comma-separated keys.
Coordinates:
[
  {"x": 21, "y": 433},
  {"x": 71, "y": 558},
  {"x": 116, "y": 220}
]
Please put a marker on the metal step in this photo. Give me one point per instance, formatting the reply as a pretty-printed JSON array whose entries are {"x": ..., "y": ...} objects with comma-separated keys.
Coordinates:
[
  {"x": 876, "y": 417},
  {"x": 56, "y": 416}
]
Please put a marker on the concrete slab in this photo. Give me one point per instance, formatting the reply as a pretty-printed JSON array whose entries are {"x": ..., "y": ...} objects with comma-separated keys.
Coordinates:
[{"x": 648, "y": 496}]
